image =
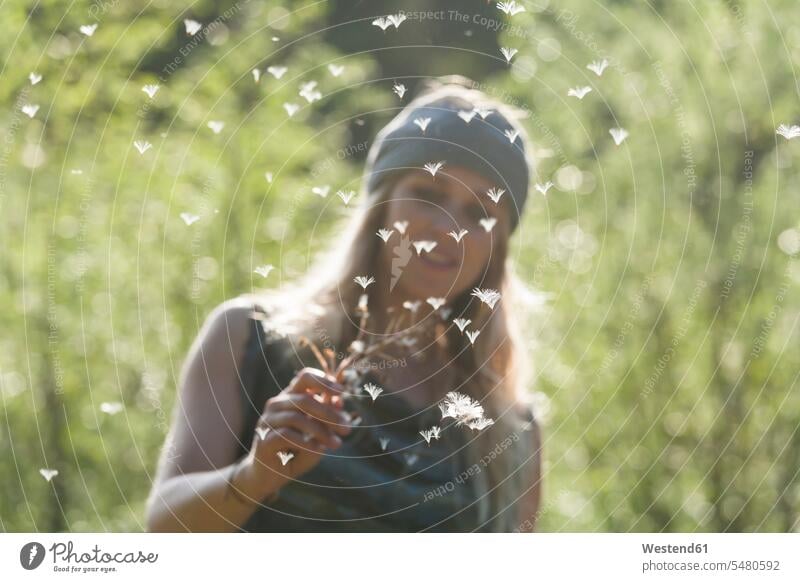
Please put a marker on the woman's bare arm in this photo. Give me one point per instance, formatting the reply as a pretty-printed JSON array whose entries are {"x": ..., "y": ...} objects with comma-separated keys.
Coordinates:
[{"x": 199, "y": 456}]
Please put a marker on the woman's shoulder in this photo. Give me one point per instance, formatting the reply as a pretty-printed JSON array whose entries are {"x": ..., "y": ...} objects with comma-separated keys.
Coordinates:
[
  {"x": 274, "y": 322},
  {"x": 243, "y": 309},
  {"x": 526, "y": 417},
  {"x": 250, "y": 304},
  {"x": 524, "y": 411},
  {"x": 272, "y": 333},
  {"x": 233, "y": 324},
  {"x": 227, "y": 325}
]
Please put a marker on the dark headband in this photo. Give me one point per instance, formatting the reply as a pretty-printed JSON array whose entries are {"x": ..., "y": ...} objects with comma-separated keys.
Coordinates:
[{"x": 481, "y": 145}]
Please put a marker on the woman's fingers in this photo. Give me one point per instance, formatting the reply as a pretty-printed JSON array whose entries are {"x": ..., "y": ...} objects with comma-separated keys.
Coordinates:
[
  {"x": 338, "y": 401},
  {"x": 338, "y": 420},
  {"x": 288, "y": 438},
  {"x": 315, "y": 381},
  {"x": 304, "y": 424}
]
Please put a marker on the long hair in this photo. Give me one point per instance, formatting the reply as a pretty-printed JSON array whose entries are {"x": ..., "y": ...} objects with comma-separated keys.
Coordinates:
[{"x": 492, "y": 371}]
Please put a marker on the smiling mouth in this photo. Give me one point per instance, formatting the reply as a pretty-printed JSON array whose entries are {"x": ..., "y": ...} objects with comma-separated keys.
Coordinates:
[{"x": 438, "y": 261}]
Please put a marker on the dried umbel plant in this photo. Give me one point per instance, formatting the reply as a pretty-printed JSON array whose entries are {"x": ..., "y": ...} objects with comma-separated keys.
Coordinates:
[{"x": 402, "y": 334}]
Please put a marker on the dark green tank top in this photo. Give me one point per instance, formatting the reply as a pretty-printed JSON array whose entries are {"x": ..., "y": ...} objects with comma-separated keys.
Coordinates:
[{"x": 384, "y": 477}]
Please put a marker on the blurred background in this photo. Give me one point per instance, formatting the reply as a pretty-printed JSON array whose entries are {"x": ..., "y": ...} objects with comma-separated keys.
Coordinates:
[{"x": 666, "y": 361}]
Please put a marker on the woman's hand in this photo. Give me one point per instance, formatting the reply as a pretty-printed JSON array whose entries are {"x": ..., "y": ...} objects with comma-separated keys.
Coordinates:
[{"x": 305, "y": 419}]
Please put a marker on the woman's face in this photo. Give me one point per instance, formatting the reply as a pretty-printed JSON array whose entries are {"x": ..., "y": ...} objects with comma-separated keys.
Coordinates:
[{"x": 452, "y": 200}]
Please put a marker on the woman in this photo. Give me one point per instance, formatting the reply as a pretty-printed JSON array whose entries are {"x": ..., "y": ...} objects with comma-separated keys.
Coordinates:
[{"x": 275, "y": 432}]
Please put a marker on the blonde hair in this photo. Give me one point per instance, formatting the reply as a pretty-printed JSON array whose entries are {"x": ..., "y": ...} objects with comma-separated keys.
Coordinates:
[{"x": 493, "y": 371}]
